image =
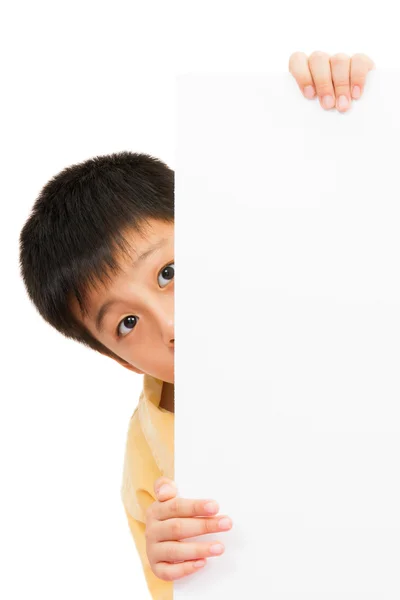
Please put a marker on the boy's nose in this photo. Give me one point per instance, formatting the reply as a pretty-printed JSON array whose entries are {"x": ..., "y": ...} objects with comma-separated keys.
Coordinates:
[
  {"x": 170, "y": 340},
  {"x": 169, "y": 333},
  {"x": 165, "y": 321}
]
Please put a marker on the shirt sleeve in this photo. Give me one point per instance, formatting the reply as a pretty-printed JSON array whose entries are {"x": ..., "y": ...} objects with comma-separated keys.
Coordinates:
[
  {"x": 140, "y": 471},
  {"x": 159, "y": 589}
]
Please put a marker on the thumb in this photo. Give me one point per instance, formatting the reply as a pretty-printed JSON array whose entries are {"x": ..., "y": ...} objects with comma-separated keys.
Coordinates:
[{"x": 165, "y": 489}]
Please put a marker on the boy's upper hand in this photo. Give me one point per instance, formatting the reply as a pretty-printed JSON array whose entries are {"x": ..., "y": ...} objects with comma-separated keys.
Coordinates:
[
  {"x": 334, "y": 79},
  {"x": 169, "y": 520}
]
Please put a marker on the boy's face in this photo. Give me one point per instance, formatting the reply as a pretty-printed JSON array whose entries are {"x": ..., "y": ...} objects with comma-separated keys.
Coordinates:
[{"x": 142, "y": 311}]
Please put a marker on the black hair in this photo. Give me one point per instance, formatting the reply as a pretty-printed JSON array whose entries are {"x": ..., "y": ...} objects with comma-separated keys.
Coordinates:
[{"x": 75, "y": 232}]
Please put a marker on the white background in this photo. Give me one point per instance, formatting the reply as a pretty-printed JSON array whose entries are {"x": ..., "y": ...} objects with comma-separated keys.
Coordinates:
[
  {"x": 85, "y": 78},
  {"x": 294, "y": 300}
]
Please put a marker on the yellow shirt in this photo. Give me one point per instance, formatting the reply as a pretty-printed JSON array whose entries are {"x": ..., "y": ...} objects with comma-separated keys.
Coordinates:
[{"x": 149, "y": 454}]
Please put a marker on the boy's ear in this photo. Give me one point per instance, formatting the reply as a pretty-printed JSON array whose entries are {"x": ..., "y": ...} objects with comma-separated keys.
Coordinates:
[{"x": 125, "y": 364}]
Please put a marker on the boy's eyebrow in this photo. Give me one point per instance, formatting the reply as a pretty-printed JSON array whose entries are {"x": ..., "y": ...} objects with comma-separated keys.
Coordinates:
[{"x": 140, "y": 258}]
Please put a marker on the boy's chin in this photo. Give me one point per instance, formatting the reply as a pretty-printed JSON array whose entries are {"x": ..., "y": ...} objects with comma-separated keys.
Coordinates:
[{"x": 165, "y": 377}]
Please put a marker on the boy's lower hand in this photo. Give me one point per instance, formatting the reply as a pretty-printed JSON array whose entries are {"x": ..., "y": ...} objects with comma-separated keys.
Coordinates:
[
  {"x": 169, "y": 520},
  {"x": 334, "y": 79}
]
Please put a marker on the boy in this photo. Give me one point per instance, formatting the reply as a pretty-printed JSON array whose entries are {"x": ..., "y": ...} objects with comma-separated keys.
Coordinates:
[{"x": 97, "y": 259}]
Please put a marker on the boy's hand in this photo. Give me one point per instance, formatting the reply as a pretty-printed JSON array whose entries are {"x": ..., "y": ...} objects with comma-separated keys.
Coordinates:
[
  {"x": 170, "y": 520},
  {"x": 334, "y": 79}
]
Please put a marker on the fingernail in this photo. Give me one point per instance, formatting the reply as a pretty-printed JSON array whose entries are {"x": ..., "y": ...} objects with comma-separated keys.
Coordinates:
[
  {"x": 309, "y": 92},
  {"x": 225, "y": 523},
  {"x": 328, "y": 102},
  {"x": 216, "y": 549},
  {"x": 211, "y": 507},
  {"x": 343, "y": 103},
  {"x": 199, "y": 563},
  {"x": 356, "y": 92},
  {"x": 166, "y": 490}
]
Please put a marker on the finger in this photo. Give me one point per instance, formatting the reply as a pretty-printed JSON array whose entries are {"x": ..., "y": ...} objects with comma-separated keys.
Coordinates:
[
  {"x": 171, "y": 572},
  {"x": 321, "y": 73},
  {"x": 298, "y": 67},
  {"x": 171, "y": 552},
  {"x": 165, "y": 489},
  {"x": 359, "y": 69},
  {"x": 340, "y": 70},
  {"x": 182, "y": 507},
  {"x": 181, "y": 529}
]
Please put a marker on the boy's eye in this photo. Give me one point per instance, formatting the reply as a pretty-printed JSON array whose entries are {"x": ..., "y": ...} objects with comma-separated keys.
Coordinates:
[
  {"x": 129, "y": 322},
  {"x": 167, "y": 274}
]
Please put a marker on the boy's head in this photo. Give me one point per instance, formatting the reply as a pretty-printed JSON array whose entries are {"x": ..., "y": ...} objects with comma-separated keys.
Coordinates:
[{"x": 97, "y": 259}]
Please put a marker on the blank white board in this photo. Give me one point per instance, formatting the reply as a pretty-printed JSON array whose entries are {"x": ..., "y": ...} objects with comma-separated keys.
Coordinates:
[{"x": 288, "y": 335}]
